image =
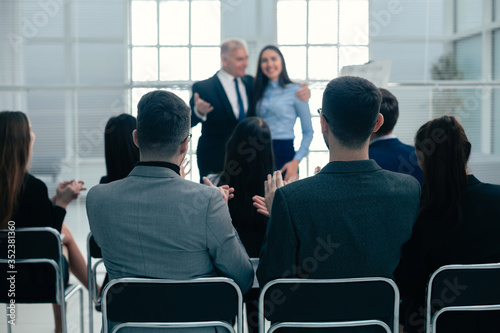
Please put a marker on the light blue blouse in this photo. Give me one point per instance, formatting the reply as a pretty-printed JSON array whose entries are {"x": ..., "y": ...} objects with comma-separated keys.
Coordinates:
[{"x": 280, "y": 107}]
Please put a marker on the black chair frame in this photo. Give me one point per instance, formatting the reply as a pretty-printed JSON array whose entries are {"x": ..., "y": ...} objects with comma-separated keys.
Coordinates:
[
  {"x": 120, "y": 291},
  {"x": 32, "y": 254},
  {"x": 484, "y": 301},
  {"x": 284, "y": 290}
]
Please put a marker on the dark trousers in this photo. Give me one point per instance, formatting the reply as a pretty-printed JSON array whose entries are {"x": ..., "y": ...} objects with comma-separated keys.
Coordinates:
[{"x": 283, "y": 152}]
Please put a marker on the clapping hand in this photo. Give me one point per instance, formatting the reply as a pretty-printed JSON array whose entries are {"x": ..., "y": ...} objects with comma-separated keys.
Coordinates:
[
  {"x": 184, "y": 165},
  {"x": 272, "y": 183},
  {"x": 67, "y": 191},
  {"x": 227, "y": 192},
  {"x": 260, "y": 203}
]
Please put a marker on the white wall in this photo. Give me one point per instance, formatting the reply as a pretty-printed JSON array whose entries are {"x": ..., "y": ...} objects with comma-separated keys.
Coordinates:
[{"x": 253, "y": 21}]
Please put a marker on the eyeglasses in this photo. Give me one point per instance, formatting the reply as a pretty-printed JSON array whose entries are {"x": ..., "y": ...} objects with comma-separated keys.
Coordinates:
[
  {"x": 188, "y": 136},
  {"x": 320, "y": 112}
]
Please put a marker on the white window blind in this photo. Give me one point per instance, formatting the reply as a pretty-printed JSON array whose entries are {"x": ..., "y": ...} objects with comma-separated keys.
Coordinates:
[
  {"x": 64, "y": 63},
  {"x": 444, "y": 61}
]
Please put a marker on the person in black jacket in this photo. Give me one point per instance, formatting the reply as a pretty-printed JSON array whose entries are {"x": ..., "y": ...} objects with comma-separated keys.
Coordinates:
[
  {"x": 24, "y": 198},
  {"x": 458, "y": 223}
]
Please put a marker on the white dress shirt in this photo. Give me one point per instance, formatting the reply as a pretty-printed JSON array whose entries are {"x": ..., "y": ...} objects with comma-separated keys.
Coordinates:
[{"x": 227, "y": 81}]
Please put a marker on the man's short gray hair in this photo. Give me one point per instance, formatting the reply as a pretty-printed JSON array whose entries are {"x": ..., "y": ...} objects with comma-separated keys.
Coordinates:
[{"x": 232, "y": 44}]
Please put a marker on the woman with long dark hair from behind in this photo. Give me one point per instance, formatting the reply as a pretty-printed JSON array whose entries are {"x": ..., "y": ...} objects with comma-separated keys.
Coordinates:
[
  {"x": 24, "y": 198},
  {"x": 275, "y": 101},
  {"x": 120, "y": 152},
  {"x": 249, "y": 159},
  {"x": 458, "y": 223}
]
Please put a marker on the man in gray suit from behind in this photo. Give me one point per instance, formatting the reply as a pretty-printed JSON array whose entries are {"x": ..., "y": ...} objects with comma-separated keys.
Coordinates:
[
  {"x": 351, "y": 219},
  {"x": 154, "y": 223}
]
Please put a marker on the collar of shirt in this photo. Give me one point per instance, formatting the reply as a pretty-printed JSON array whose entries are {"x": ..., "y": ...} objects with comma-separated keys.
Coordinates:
[
  {"x": 168, "y": 165},
  {"x": 223, "y": 75},
  {"x": 351, "y": 167},
  {"x": 274, "y": 84},
  {"x": 227, "y": 81},
  {"x": 383, "y": 137}
]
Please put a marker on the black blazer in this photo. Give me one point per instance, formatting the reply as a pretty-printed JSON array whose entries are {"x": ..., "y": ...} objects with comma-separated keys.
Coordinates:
[
  {"x": 34, "y": 208},
  {"x": 220, "y": 123}
]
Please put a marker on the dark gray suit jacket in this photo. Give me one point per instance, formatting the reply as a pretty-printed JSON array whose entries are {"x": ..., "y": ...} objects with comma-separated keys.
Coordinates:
[
  {"x": 350, "y": 220},
  {"x": 156, "y": 224}
]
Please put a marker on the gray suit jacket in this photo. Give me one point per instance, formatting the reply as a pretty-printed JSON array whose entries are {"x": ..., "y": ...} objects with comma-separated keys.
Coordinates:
[
  {"x": 350, "y": 220},
  {"x": 156, "y": 224}
]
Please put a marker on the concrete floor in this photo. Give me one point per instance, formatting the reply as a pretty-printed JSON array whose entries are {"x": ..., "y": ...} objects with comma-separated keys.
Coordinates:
[{"x": 38, "y": 318}]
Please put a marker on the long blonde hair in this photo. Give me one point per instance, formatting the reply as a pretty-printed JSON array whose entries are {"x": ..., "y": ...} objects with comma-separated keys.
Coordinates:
[{"x": 15, "y": 141}]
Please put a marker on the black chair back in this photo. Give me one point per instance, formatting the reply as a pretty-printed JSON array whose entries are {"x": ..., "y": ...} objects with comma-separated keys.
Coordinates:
[
  {"x": 35, "y": 282},
  {"x": 464, "y": 287},
  {"x": 334, "y": 301},
  {"x": 136, "y": 300}
]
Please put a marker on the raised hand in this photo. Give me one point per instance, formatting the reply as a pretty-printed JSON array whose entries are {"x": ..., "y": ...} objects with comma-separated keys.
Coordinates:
[
  {"x": 272, "y": 183},
  {"x": 303, "y": 93},
  {"x": 202, "y": 106}
]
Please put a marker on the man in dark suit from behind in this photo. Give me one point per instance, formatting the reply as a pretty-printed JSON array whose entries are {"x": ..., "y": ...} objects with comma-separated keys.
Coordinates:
[
  {"x": 350, "y": 219},
  {"x": 386, "y": 149}
]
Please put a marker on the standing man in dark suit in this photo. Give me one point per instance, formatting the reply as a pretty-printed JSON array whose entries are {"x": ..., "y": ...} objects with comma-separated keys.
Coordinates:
[
  {"x": 350, "y": 219},
  {"x": 390, "y": 153},
  {"x": 222, "y": 101}
]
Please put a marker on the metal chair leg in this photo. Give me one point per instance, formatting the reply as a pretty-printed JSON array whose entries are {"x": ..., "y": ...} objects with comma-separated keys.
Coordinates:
[
  {"x": 91, "y": 301},
  {"x": 82, "y": 328},
  {"x": 63, "y": 317}
]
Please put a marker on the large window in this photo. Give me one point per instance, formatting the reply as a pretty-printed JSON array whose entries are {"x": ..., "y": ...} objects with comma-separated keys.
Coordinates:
[
  {"x": 444, "y": 61},
  {"x": 172, "y": 44},
  {"x": 64, "y": 63},
  {"x": 474, "y": 49},
  {"x": 318, "y": 38}
]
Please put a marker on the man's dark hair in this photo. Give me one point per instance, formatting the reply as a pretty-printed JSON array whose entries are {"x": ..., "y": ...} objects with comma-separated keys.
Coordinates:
[
  {"x": 351, "y": 106},
  {"x": 390, "y": 110},
  {"x": 163, "y": 122}
]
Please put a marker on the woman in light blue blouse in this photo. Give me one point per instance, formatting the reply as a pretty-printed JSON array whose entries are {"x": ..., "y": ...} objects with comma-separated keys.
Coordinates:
[{"x": 275, "y": 101}]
